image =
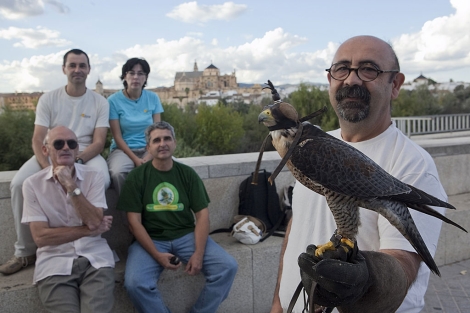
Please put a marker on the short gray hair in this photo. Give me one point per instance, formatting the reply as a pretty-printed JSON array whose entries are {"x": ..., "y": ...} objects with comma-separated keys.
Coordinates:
[{"x": 158, "y": 125}]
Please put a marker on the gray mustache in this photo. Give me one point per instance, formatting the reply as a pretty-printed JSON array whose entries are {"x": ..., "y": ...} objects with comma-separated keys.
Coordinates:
[{"x": 354, "y": 91}]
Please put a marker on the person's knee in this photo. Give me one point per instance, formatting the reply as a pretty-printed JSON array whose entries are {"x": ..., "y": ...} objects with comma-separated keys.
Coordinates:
[
  {"x": 117, "y": 176},
  {"x": 16, "y": 185},
  {"x": 232, "y": 266}
]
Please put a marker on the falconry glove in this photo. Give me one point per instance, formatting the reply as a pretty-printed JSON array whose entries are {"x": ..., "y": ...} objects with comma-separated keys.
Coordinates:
[
  {"x": 354, "y": 281},
  {"x": 341, "y": 275}
]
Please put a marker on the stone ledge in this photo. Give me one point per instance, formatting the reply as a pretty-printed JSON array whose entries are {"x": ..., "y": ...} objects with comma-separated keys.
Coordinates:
[{"x": 254, "y": 283}]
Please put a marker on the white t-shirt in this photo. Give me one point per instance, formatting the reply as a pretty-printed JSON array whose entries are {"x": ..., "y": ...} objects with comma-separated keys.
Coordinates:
[
  {"x": 313, "y": 223},
  {"x": 81, "y": 114}
]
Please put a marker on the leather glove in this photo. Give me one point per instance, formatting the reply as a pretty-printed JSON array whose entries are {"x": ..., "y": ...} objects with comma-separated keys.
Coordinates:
[{"x": 342, "y": 275}]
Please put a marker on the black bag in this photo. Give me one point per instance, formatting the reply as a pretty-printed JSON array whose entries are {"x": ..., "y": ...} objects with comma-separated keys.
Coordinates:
[{"x": 261, "y": 201}]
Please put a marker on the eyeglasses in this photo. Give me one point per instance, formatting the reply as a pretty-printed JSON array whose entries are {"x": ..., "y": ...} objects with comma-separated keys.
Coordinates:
[
  {"x": 139, "y": 74},
  {"x": 60, "y": 143},
  {"x": 366, "y": 72}
]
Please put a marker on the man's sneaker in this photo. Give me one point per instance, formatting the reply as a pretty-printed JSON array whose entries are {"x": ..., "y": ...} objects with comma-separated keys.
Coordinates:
[{"x": 15, "y": 264}]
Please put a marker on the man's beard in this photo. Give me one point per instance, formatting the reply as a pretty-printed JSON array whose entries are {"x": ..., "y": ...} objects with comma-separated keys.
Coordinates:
[{"x": 356, "y": 110}]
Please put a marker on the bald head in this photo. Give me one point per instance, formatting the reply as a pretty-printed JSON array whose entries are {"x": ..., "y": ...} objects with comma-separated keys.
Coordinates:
[
  {"x": 58, "y": 130},
  {"x": 373, "y": 46},
  {"x": 61, "y": 146}
]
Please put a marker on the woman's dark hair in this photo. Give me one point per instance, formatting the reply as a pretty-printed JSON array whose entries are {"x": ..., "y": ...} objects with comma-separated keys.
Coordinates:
[{"x": 130, "y": 64}]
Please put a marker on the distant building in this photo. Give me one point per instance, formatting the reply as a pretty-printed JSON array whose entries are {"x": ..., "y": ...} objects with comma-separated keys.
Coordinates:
[
  {"x": 207, "y": 86},
  {"x": 421, "y": 80},
  {"x": 20, "y": 100}
]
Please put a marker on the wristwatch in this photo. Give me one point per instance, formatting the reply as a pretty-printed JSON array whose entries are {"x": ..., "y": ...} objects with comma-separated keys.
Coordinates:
[
  {"x": 75, "y": 192},
  {"x": 78, "y": 160}
]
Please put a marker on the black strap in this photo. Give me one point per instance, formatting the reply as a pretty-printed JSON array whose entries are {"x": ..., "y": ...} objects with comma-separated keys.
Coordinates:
[
  {"x": 309, "y": 306},
  {"x": 273, "y": 229},
  {"x": 297, "y": 292}
]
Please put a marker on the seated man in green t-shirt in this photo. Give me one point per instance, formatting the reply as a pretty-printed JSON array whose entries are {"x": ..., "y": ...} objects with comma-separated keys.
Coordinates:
[{"x": 161, "y": 198}]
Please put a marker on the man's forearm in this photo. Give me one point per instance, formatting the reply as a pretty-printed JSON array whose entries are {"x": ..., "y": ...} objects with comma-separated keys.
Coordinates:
[
  {"x": 389, "y": 285},
  {"x": 201, "y": 232},
  {"x": 91, "y": 151},
  {"x": 276, "y": 305},
  {"x": 59, "y": 235},
  {"x": 37, "y": 143},
  {"x": 90, "y": 215}
]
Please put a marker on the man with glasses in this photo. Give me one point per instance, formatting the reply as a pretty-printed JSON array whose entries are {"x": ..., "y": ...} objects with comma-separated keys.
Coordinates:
[
  {"x": 364, "y": 79},
  {"x": 86, "y": 113},
  {"x": 63, "y": 205}
]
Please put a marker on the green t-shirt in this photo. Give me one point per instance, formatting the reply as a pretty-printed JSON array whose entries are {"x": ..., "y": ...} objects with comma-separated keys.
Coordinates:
[{"x": 166, "y": 200}]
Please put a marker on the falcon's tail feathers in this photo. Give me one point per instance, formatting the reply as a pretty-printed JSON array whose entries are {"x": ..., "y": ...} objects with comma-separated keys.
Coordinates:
[{"x": 430, "y": 211}]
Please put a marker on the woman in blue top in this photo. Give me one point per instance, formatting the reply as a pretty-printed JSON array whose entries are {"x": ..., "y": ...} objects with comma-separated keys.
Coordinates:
[{"x": 131, "y": 110}]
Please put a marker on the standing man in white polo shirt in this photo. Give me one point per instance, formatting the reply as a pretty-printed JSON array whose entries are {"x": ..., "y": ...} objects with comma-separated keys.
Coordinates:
[
  {"x": 63, "y": 205},
  {"x": 83, "y": 111}
]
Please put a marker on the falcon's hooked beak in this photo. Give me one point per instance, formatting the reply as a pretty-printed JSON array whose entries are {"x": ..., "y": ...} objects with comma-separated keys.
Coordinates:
[{"x": 266, "y": 117}]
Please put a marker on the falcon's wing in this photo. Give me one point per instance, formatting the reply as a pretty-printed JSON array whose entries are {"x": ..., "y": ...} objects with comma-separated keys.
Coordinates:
[{"x": 340, "y": 167}]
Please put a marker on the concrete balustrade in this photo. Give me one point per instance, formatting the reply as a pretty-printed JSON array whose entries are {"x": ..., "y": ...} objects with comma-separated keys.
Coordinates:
[{"x": 256, "y": 278}]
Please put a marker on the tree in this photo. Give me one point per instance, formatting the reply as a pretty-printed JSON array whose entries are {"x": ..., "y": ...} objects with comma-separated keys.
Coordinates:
[
  {"x": 185, "y": 129},
  {"x": 254, "y": 131},
  {"x": 16, "y": 133},
  {"x": 457, "y": 101},
  {"x": 418, "y": 102},
  {"x": 219, "y": 129},
  {"x": 308, "y": 99}
]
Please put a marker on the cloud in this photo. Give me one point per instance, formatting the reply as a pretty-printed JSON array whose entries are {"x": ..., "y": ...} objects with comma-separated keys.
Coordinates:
[
  {"x": 33, "y": 38},
  {"x": 58, "y": 6},
  {"x": 267, "y": 57},
  {"x": 33, "y": 74},
  {"x": 17, "y": 9},
  {"x": 440, "y": 45},
  {"x": 191, "y": 12}
]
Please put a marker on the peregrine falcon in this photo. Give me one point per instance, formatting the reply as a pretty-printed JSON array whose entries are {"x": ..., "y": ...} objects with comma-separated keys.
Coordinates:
[{"x": 347, "y": 178}]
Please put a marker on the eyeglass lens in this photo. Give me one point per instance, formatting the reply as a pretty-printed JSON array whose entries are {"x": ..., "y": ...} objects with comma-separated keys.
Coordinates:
[
  {"x": 366, "y": 72},
  {"x": 60, "y": 143},
  {"x": 139, "y": 74}
]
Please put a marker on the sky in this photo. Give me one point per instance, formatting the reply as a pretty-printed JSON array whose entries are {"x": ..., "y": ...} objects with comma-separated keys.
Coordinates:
[{"x": 284, "y": 41}]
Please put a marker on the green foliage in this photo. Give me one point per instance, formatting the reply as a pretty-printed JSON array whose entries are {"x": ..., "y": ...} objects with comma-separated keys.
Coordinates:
[
  {"x": 219, "y": 129},
  {"x": 232, "y": 127},
  {"x": 185, "y": 129},
  {"x": 16, "y": 132},
  {"x": 308, "y": 99},
  {"x": 416, "y": 102},
  {"x": 254, "y": 131},
  {"x": 456, "y": 102}
]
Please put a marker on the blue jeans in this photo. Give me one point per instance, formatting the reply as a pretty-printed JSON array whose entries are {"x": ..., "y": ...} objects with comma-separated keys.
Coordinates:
[{"x": 142, "y": 273}]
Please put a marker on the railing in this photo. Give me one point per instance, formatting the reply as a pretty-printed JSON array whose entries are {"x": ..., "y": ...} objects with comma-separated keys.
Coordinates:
[{"x": 419, "y": 125}]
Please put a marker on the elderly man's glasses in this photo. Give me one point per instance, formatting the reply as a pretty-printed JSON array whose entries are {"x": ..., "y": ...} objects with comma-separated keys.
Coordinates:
[
  {"x": 139, "y": 74},
  {"x": 366, "y": 72},
  {"x": 60, "y": 143}
]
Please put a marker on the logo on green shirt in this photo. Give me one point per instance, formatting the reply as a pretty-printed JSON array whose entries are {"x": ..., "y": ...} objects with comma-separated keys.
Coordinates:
[{"x": 165, "y": 198}]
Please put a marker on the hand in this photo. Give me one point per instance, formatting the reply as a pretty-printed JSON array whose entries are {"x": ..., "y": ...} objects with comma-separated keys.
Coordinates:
[
  {"x": 105, "y": 225},
  {"x": 138, "y": 162},
  {"x": 147, "y": 157},
  {"x": 164, "y": 260},
  {"x": 194, "y": 265},
  {"x": 64, "y": 175},
  {"x": 342, "y": 278}
]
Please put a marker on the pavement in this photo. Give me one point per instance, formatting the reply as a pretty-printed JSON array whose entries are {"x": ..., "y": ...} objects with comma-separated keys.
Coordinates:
[{"x": 449, "y": 293}]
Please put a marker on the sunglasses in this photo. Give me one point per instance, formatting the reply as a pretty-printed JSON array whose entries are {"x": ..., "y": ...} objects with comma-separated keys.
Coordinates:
[{"x": 60, "y": 143}]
